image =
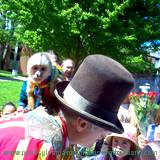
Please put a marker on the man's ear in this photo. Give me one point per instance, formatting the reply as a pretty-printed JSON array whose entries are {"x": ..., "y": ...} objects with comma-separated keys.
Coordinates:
[{"x": 81, "y": 124}]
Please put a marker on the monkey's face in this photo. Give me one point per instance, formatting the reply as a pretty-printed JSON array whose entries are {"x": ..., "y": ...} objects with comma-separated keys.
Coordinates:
[
  {"x": 39, "y": 67},
  {"x": 39, "y": 73}
]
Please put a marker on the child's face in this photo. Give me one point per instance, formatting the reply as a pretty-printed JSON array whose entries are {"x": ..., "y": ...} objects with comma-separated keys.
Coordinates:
[
  {"x": 120, "y": 146},
  {"x": 8, "y": 109}
]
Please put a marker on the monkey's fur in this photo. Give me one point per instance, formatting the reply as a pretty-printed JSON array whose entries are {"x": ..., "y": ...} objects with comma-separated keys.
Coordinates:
[{"x": 40, "y": 75}]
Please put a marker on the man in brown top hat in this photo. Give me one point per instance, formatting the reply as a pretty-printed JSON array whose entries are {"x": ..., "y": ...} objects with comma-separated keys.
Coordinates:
[{"x": 89, "y": 105}]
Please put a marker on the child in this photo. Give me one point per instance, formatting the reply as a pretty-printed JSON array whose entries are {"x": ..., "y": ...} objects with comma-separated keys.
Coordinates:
[
  {"x": 8, "y": 108},
  {"x": 123, "y": 113},
  {"x": 120, "y": 146}
]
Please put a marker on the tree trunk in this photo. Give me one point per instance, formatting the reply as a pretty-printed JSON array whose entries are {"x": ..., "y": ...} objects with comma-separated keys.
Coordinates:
[
  {"x": 6, "y": 57},
  {"x": 1, "y": 55}
]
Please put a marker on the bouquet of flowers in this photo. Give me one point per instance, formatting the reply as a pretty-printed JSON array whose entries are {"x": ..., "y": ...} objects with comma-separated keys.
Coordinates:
[{"x": 145, "y": 108}]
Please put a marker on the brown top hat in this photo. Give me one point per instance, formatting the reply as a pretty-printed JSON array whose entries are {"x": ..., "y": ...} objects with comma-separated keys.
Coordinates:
[{"x": 97, "y": 90}]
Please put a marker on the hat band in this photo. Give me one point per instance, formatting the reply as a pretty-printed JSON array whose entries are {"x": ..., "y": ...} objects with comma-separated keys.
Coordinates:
[{"x": 75, "y": 100}]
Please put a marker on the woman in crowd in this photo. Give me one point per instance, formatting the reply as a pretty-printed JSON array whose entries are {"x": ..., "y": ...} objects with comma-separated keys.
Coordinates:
[
  {"x": 120, "y": 146},
  {"x": 150, "y": 143}
]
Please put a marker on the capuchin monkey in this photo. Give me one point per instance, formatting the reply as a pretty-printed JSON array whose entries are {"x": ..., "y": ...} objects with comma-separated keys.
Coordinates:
[{"x": 42, "y": 77}]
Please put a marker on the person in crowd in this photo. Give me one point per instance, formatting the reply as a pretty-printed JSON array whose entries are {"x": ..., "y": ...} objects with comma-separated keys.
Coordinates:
[
  {"x": 152, "y": 139},
  {"x": 142, "y": 141},
  {"x": 148, "y": 154},
  {"x": 149, "y": 151},
  {"x": 132, "y": 117},
  {"x": 120, "y": 146},
  {"x": 68, "y": 67},
  {"x": 8, "y": 108},
  {"x": 53, "y": 57},
  {"x": 56, "y": 64},
  {"x": 89, "y": 105},
  {"x": 123, "y": 113}
]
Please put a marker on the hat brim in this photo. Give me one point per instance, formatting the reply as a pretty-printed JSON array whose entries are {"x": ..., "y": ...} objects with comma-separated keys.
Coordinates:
[
  {"x": 116, "y": 127},
  {"x": 108, "y": 139}
]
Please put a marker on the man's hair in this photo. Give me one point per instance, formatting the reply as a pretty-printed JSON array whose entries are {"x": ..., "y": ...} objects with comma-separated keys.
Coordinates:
[
  {"x": 51, "y": 52},
  {"x": 70, "y": 115},
  {"x": 68, "y": 59}
]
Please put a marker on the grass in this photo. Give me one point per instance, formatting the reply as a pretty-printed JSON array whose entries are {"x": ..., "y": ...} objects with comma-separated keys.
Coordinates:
[{"x": 9, "y": 90}]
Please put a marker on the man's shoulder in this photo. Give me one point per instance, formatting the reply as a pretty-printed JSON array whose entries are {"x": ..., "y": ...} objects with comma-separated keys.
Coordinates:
[{"x": 41, "y": 125}]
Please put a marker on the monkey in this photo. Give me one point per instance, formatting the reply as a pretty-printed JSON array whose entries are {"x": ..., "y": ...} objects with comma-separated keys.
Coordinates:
[{"x": 42, "y": 77}]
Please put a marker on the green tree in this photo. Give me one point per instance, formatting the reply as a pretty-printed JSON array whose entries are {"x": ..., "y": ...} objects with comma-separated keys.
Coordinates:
[{"x": 78, "y": 28}]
